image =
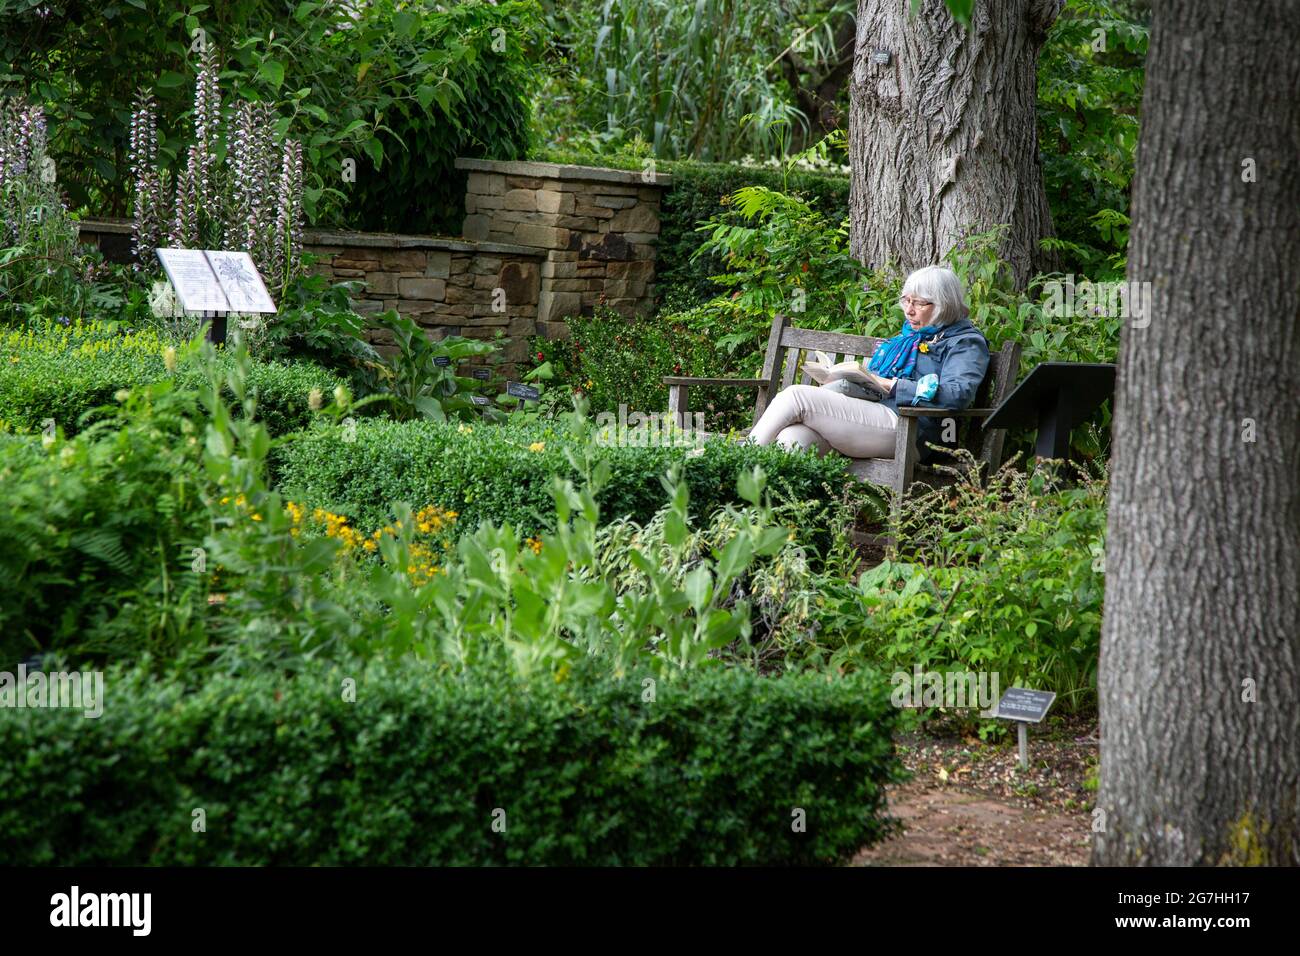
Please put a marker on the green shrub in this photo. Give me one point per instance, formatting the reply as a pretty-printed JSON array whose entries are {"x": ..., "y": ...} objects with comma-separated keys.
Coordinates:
[
  {"x": 401, "y": 91},
  {"x": 99, "y": 533},
  {"x": 488, "y": 472},
  {"x": 60, "y": 373},
  {"x": 696, "y": 195},
  {"x": 596, "y": 361},
  {"x": 705, "y": 769},
  {"x": 1088, "y": 103},
  {"x": 1007, "y": 579}
]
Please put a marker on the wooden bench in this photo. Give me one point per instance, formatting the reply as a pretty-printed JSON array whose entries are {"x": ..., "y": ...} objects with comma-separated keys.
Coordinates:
[{"x": 783, "y": 362}]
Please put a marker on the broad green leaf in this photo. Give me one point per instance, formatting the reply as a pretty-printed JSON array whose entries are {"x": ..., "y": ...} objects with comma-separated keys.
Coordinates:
[
  {"x": 698, "y": 586},
  {"x": 272, "y": 71},
  {"x": 735, "y": 557}
]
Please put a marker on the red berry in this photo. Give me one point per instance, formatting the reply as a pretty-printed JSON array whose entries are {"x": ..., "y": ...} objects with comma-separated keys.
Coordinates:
[{"x": 541, "y": 357}]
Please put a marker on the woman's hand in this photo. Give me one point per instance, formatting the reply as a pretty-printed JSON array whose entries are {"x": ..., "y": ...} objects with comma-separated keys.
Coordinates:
[{"x": 886, "y": 385}]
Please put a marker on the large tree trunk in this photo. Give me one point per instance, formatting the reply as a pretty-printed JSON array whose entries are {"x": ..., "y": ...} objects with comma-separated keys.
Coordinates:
[
  {"x": 943, "y": 138},
  {"x": 1200, "y": 658}
]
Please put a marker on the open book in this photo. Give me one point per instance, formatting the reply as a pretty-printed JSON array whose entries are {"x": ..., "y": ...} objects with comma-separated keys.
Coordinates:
[
  {"x": 822, "y": 370},
  {"x": 208, "y": 280}
]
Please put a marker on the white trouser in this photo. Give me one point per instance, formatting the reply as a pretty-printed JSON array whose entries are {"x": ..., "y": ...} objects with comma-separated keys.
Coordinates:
[{"x": 805, "y": 416}]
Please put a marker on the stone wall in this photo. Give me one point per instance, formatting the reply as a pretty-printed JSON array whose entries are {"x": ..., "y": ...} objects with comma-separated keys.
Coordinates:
[
  {"x": 598, "y": 228},
  {"x": 474, "y": 289},
  {"x": 542, "y": 242}
]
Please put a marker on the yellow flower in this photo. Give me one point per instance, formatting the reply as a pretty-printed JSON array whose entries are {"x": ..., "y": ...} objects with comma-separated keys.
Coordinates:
[
  {"x": 537, "y": 446},
  {"x": 464, "y": 429},
  {"x": 169, "y": 358},
  {"x": 924, "y": 347},
  {"x": 256, "y": 517},
  {"x": 588, "y": 385}
]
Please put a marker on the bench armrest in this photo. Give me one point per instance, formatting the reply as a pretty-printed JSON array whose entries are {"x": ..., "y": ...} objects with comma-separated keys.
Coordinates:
[
  {"x": 739, "y": 382},
  {"x": 916, "y": 411}
]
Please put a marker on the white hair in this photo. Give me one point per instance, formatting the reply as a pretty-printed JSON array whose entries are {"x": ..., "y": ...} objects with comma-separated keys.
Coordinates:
[{"x": 941, "y": 286}]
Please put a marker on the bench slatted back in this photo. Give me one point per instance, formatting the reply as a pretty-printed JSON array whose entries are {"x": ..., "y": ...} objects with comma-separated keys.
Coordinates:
[{"x": 788, "y": 348}]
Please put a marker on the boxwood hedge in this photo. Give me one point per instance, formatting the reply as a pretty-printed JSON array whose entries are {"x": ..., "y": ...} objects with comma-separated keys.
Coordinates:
[
  {"x": 489, "y": 472},
  {"x": 429, "y": 768},
  {"x": 64, "y": 373}
]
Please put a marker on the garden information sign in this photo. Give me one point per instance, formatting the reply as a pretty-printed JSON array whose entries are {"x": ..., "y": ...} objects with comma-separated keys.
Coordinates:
[
  {"x": 1025, "y": 707},
  {"x": 213, "y": 282},
  {"x": 208, "y": 280}
]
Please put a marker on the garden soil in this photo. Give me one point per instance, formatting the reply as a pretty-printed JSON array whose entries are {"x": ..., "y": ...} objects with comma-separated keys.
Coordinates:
[{"x": 968, "y": 803}]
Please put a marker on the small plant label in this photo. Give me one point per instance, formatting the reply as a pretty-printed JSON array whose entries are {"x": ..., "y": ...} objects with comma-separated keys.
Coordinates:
[
  {"x": 480, "y": 400},
  {"x": 526, "y": 392},
  {"x": 1021, "y": 703},
  {"x": 1025, "y": 707},
  {"x": 482, "y": 374},
  {"x": 441, "y": 361}
]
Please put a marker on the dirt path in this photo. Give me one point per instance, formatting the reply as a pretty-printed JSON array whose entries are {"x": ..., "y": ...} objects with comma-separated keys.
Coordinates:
[{"x": 970, "y": 804}]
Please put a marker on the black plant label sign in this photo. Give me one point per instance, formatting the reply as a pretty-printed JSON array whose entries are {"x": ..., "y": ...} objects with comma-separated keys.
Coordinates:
[
  {"x": 480, "y": 400},
  {"x": 519, "y": 390},
  {"x": 482, "y": 374},
  {"x": 441, "y": 361}
]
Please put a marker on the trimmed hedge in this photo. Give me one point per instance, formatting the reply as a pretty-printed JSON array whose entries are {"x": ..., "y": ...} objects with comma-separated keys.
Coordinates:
[
  {"x": 489, "y": 473},
  {"x": 64, "y": 373},
  {"x": 712, "y": 771}
]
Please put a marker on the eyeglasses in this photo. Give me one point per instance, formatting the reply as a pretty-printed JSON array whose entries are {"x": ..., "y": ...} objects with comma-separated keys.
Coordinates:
[{"x": 906, "y": 300}]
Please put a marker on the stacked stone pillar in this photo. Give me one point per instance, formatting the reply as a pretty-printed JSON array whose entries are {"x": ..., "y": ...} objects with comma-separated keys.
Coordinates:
[{"x": 597, "y": 229}]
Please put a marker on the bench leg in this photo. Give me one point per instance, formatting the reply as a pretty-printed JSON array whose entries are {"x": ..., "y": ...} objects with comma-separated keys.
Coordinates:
[
  {"x": 904, "y": 467},
  {"x": 678, "y": 403}
]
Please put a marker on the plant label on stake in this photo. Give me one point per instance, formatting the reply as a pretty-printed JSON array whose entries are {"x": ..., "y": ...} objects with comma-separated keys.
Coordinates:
[
  {"x": 526, "y": 392},
  {"x": 1025, "y": 707}
]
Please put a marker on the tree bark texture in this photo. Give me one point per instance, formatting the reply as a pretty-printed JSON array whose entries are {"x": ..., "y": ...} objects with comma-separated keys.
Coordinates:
[
  {"x": 943, "y": 139},
  {"x": 1203, "y": 552}
]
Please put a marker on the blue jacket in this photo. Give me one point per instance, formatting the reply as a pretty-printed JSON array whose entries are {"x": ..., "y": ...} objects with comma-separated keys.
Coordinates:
[{"x": 947, "y": 375}]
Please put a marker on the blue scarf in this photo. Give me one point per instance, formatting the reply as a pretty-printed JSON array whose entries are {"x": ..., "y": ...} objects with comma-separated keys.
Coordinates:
[{"x": 896, "y": 357}]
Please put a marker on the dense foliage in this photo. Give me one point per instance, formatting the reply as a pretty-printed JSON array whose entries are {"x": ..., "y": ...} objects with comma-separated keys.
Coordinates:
[
  {"x": 60, "y": 373},
  {"x": 1089, "y": 90},
  {"x": 421, "y": 768},
  {"x": 504, "y": 472},
  {"x": 99, "y": 533},
  {"x": 595, "y": 361},
  {"x": 1004, "y": 579},
  {"x": 396, "y": 92},
  {"x": 683, "y": 78},
  {"x": 320, "y": 571}
]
